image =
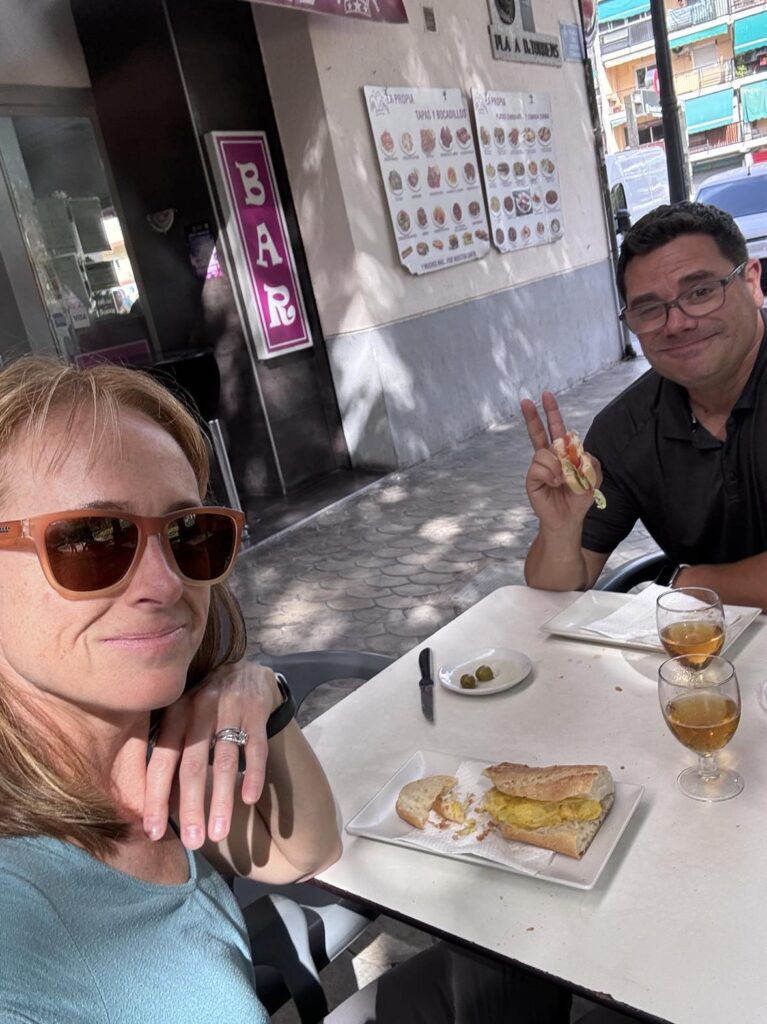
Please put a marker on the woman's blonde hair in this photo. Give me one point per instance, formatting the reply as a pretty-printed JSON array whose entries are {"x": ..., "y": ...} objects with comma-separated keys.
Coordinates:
[{"x": 45, "y": 785}]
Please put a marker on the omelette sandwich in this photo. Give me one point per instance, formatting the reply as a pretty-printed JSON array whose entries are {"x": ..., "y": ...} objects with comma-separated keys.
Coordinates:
[{"x": 559, "y": 808}]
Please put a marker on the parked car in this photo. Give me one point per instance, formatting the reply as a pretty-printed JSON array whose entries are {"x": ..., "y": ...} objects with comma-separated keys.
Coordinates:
[{"x": 742, "y": 192}]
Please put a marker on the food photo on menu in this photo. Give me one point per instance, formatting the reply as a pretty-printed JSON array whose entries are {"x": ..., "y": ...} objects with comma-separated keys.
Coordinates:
[
  {"x": 430, "y": 175},
  {"x": 519, "y": 168}
]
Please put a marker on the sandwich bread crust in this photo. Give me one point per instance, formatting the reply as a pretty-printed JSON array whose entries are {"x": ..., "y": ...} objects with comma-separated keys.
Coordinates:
[
  {"x": 556, "y": 782},
  {"x": 417, "y": 798}
]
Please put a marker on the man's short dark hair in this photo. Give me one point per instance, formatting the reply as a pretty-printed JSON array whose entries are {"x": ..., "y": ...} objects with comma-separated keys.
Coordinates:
[{"x": 665, "y": 223}]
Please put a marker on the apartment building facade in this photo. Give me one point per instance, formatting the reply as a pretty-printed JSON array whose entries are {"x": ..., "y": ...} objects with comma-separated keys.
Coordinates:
[{"x": 719, "y": 64}]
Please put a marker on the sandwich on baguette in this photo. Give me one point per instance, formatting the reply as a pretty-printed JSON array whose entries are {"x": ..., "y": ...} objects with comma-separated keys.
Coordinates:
[
  {"x": 577, "y": 468},
  {"x": 559, "y": 808}
]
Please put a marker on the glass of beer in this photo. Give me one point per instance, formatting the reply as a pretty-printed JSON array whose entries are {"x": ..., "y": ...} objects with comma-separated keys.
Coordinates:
[
  {"x": 701, "y": 706},
  {"x": 691, "y": 623}
]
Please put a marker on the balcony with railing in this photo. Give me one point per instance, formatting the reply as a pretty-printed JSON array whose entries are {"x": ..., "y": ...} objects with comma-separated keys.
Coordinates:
[
  {"x": 639, "y": 33},
  {"x": 698, "y": 79},
  {"x": 695, "y": 14},
  {"x": 647, "y": 101},
  {"x": 635, "y": 33},
  {"x": 716, "y": 138},
  {"x": 736, "y": 6}
]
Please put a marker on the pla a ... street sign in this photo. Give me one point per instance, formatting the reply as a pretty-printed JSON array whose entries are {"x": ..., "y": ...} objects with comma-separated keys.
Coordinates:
[
  {"x": 259, "y": 245},
  {"x": 513, "y": 35}
]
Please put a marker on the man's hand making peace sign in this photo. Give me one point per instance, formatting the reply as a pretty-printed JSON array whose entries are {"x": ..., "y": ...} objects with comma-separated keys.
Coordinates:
[{"x": 556, "y": 560}]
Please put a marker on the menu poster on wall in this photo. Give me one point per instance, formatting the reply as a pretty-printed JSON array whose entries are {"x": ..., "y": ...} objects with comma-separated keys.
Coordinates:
[
  {"x": 519, "y": 167},
  {"x": 428, "y": 162}
]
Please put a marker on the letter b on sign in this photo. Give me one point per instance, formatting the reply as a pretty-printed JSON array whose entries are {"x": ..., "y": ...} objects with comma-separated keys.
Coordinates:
[{"x": 254, "y": 189}]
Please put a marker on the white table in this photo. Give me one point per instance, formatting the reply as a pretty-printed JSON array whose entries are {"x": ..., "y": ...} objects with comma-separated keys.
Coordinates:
[{"x": 676, "y": 926}]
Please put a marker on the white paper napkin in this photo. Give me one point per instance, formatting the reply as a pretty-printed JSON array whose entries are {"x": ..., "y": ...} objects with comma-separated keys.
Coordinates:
[
  {"x": 529, "y": 860},
  {"x": 636, "y": 621}
]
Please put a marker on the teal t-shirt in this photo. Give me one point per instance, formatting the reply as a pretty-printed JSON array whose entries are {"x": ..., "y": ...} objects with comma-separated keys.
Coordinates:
[{"x": 84, "y": 943}]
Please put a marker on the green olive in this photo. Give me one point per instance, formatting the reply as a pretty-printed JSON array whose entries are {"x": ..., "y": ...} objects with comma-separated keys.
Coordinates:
[
  {"x": 468, "y": 682},
  {"x": 485, "y": 674}
]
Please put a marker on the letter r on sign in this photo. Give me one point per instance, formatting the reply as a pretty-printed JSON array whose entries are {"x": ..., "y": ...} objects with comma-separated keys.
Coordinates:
[{"x": 281, "y": 309}]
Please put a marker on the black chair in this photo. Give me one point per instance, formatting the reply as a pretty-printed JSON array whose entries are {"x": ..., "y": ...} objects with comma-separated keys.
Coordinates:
[
  {"x": 296, "y": 930},
  {"x": 638, "y": 570}
]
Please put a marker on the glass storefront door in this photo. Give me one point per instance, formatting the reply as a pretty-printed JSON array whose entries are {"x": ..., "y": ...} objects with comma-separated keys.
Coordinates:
[{"x": 65, "y": 274}]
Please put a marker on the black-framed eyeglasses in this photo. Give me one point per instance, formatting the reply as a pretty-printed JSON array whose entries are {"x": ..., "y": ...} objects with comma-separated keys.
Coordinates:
[{"x": 701, "y": 299}]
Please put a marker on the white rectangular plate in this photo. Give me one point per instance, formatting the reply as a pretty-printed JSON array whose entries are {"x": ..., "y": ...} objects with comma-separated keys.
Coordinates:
[
  {"x": 596, "y": 604},
  {"x": 378, "y": 819}
]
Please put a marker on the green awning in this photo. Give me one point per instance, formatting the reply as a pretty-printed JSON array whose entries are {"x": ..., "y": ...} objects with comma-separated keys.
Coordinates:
[
  {"x": 617, "y": 10},
  {"x": 711, "y": 111},
  {"x": 693, "y": 37},
  {"x": 753, "y": 99},
  {"x": 750, "y": 32}
]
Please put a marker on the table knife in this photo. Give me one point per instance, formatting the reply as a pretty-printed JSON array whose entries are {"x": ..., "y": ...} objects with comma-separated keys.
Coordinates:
[{"x": 426, "y": 685}]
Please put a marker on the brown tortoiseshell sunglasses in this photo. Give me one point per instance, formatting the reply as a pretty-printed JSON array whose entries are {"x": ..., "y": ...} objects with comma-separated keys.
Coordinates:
[{"x": 93, "y": 553}]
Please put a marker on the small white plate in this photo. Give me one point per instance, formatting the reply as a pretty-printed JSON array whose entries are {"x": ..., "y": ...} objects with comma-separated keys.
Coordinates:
[
  {"x": 597, "y": 604},
  {"x": 509, "y": 668},
  {"x": 379, "y": 820}
]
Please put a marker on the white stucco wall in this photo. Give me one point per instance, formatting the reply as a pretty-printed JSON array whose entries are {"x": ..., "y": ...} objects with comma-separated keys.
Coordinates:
[
  {"x": 39, "y": 45},
  {"x": 317, "y": 67}
]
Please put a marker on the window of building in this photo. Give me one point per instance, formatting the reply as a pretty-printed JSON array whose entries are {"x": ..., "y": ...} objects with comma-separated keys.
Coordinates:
[
  {"x": 650, "y": 133},
  {"x": 645, "y": 77},
  {"x": 703, "y": 55}
]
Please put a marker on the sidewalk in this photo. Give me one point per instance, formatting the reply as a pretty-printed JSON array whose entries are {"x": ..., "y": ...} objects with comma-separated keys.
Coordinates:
[{"x": 379, "y": 570}]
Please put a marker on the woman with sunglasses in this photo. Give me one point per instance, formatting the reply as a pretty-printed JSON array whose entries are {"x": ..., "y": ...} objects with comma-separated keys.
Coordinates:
[{"x": 116, "y": 624}]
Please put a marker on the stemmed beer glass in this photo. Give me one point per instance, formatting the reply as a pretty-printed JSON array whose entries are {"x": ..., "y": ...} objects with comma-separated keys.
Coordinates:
[
  {"x": 701, "y": 706},
  {"x": 691, "y": 623}
]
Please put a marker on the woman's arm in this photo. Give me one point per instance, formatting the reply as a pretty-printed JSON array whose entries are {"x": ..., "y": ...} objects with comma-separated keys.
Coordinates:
[
  {"x": 292, "y": 832},
  {"x": 277, "y": 822}
]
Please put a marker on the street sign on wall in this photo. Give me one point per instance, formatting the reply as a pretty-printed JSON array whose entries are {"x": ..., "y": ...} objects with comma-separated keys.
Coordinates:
[{"x": 261, "y": 254}]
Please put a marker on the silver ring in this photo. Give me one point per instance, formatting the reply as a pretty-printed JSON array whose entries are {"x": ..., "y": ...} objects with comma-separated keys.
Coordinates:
[{"x": 231, "y": 735}]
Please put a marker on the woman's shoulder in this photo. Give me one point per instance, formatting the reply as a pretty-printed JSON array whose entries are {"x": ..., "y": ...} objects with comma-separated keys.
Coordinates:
[
  {"x": 37, "y": 952},
  {"x": 26, "y": 871}
]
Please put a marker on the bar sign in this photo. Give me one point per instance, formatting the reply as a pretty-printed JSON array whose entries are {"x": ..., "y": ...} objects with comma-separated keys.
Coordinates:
[{"x": 258, "y": 240}]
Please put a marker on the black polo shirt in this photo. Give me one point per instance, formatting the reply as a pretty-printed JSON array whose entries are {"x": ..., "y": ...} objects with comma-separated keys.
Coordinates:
[{"x": 702, "y": 500}]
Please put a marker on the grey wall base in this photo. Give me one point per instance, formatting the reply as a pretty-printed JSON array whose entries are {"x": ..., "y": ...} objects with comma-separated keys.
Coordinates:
[{"x": 412, "y": 388}]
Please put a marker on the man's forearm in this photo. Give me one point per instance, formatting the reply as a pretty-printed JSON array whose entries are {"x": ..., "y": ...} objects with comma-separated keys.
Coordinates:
[
  {"x": 743, "y": 582},
  {"x": 555, "y": 561}
]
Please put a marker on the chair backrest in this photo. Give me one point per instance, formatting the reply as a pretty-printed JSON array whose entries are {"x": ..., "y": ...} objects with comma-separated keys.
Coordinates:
[
  {"x": 318, "y": 921},
  {"x": 306, "y": 670},
  {"x": 638, "y": 570}
]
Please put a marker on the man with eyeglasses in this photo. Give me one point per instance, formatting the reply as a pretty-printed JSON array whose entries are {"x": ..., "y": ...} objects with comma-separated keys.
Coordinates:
[{"x": 684, "y": 448}]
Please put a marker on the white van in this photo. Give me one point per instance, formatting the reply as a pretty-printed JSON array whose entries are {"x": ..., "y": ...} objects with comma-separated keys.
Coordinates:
[{"x": 638, "y": 180}]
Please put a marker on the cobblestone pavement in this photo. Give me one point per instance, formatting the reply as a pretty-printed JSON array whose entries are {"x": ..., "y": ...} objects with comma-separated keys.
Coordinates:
[{"x": 380, "y": 570}]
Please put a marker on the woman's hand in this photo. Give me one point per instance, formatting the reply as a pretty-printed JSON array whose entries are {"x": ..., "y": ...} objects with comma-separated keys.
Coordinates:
[{"x": 240, "y": 696}]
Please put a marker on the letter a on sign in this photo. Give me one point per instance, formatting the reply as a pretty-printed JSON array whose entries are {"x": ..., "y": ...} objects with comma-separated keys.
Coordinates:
[
  {"x": 261, "y": 258},
  {"x": 266, "y": 245}
]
